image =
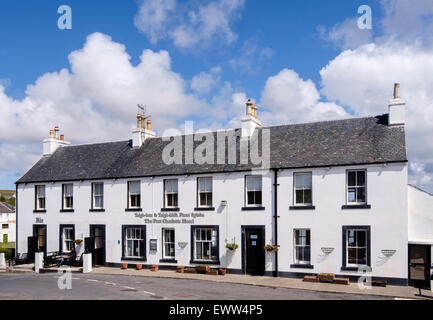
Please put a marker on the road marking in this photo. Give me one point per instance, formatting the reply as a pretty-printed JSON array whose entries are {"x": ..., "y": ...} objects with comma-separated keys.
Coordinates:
[
  {"x": 110, "y": 283},
  {"x": 92, "y": 280},
  {"x": 130, "y": 288},
  {"x": 149, "y": 293},
  {"x": 75, "y": 278}
]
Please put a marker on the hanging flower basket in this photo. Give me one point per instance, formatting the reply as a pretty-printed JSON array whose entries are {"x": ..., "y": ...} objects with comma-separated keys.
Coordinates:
[
  {"x": 78, "y": 241},
  {"x": 232, "y": 246},
  {"x": 271, "y": 248}
]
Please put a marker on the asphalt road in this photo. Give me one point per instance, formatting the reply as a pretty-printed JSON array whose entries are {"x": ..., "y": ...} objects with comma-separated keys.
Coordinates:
[{"x": 97, "y": 287}]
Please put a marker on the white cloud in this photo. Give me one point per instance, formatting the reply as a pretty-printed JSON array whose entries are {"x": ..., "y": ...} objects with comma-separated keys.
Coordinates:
[
  {"x": 287, "y": 98},
  {"x": 204, "y": 82},
  {"x": 188, "y": 23},
  {"x": 152, "y": 17},
  {"x": 346, "y": 35},
  {"x": 251, "y": 57}
]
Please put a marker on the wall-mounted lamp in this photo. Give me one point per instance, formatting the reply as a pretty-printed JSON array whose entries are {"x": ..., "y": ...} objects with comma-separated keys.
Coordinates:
[
  {"x": 182, "y": 245},
  {"x": 388, "y": 253},
  {"x": 223, "y": 203},
  {"x": 327, "y": 250}
]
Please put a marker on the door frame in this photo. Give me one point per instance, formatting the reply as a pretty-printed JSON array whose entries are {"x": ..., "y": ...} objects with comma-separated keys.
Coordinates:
[
  {"x": 35, "y": 226},
  {"x": 91, "y": 234},
  {"x": 244, "y": 247},
  {"x": 427, "y": 264}
]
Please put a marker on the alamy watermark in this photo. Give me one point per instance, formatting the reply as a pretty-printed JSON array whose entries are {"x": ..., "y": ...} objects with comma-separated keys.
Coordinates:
[
  {"x": 364, "y": 281},
  {"x": 365, "y": 21},
  {"x": 65, "y": 20},
  {"x": 64, "y": 282},
  {"x": 224, "y": 147}
]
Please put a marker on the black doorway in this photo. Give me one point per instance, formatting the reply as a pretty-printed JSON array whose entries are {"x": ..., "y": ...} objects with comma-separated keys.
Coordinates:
[
  {"x": 253, "y": 252},
  {"x": 419, "y": 266},
  {"x": 40, "y": 231},
  {"x": 97, "y": 234}
]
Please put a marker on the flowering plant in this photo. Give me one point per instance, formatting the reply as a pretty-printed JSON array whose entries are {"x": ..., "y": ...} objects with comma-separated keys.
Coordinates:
[
  {"x": 271, "y": 248},
  {"x": 232, "y": 246}
]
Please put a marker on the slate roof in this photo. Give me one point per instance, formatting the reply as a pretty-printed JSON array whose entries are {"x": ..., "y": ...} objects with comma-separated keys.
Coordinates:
[
  {"x": 6, "y": 208},
  {"x": 329, "y": 143}
]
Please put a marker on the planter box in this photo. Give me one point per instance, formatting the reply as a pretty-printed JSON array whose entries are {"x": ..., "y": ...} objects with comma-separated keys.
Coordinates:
[
  {"x": 154, "y": 268},
  {"x": 222, "y": 272},
  {"x": 311, "y": 279},
  {"x": 180, "y": 269},
  {"x": 202, "y": 269},
  {"x": 344, "y": 281},
  {"x": 190, "y": 270},
  {"x": 326, "y": 277},
  {"x": 377, "y": 283},
  {"x": 138, "y": 266},
  {"x": 124, "y": 266},
  {"x": 212, "y": 272}
]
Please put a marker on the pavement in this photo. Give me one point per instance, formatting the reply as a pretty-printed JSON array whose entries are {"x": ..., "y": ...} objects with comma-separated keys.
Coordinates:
[{"x": 402, "y": 292}]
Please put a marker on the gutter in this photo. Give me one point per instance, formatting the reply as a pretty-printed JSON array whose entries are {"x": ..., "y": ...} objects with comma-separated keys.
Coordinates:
[{"x": 275, "y": 273}]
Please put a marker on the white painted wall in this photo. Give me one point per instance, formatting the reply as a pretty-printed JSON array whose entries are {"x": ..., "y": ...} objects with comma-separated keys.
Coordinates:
[
  {"x": 9, "y": 219},
  {"x": 387, "y": 194},
  {"x": 420, "y": 216}
]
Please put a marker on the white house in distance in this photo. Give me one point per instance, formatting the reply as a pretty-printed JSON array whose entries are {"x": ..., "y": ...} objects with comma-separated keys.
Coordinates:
[
  {"x": 335, "y": 198},
  {"x": 7, "y": 222}
]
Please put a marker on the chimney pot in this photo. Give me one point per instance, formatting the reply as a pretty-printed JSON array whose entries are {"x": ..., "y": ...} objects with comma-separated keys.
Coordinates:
[
  {"x": 51, "y": 134},
  {"x": 397, "y": 91},
  {"x": 149, "y": 125},
  {"x": 62, "y": 137},
  {"x": 56, "y": 132}
]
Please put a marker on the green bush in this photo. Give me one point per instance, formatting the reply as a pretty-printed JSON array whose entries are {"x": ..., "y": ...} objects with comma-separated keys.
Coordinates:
[{"x": 9, "y": 253}]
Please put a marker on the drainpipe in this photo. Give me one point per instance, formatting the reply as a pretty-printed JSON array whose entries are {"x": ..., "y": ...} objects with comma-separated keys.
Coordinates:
[
  {"x": 16, "y": 219},
  {"x": 276, "y": 219}
]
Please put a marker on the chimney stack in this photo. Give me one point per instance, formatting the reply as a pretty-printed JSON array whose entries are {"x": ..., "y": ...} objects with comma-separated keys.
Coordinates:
[
  {"x": 396, "y": 108},
  {"x": 140, "y": 134},
  {"x": 250, "y": 121},
  {"x": 54, "y": 142}
]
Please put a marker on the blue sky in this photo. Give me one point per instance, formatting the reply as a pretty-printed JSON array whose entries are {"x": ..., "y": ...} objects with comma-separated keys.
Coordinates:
[{"x": 267, "y": 50}]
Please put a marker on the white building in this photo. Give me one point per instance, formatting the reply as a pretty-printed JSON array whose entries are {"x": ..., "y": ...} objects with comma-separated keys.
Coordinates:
[
  {"x": 8, "y": 223},
  {"x": 335, "y": 198}
]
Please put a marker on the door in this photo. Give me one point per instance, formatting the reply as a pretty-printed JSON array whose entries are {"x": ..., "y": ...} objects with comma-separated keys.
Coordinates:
[
  {"x": 5, "y": 238},
  {"x": 97, "y": 233},
  {"x": 40, "y": 231},
  {"x": 32, "y": 247},
  {"x": 253, "y": 242},
  {"x": 419, "y": 266}
]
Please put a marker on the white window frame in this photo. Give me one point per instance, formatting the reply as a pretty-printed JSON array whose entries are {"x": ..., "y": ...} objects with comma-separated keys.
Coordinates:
[
  {"x": 205, "y": 190},
  {"x": 355, "y": 203},
  {"x": 132, "y": 193},
  {"x": 255, "y": 189},
  {"x": 131, "y": 239},
  {"x": 66, "y": 195},
  {"x": 356, "y": 247},
  {"x": 40, "y": 196},
  {"x": 170, "y": 243},
  {"x": 95, "y": 195},
  {"x": 304, "y": 204},
  {"x": 170, "y": 192},
  {"x": 203, "y": 242},
  {"x": 295, "y": 246},
  {"x": 67, "y": 239}
]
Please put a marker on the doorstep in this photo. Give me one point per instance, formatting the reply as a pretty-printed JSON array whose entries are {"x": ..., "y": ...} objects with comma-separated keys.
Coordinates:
[{"x": 404, "y": 292}]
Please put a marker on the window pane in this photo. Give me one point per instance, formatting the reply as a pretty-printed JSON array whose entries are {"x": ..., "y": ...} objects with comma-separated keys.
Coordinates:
[
  {"x": 360, "y": 194},
  {"x": 134, "y": 187},
  {"x": 351, "y": 178},
  {"x": 299, "y": 196},
  {"x": 307, "y": 234},
  {"x": 362, "y": 256},
  {"x": 351, "y": 195},
  {"x": 307, "y": 197},
  {"x": 351, "y": 239},
  {"x": 351, "y": 256},
  {"x": 307, "y": 181},
  {"x": 250, "y": 196},
  {"x": 360, "y": 178},
  {"x": 361, "y": 238},
  {"x": 258, "y": 197}
]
